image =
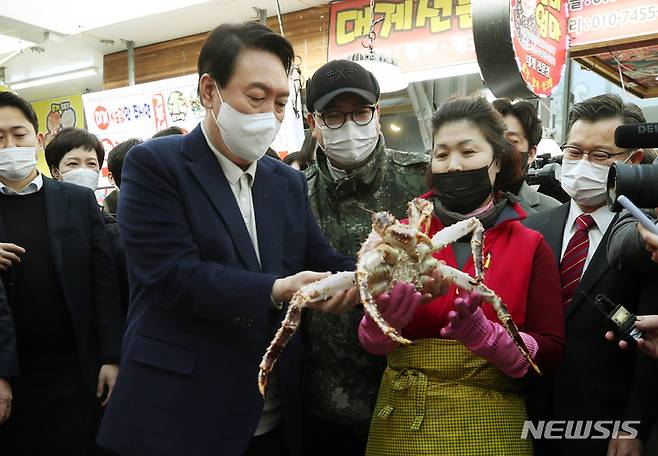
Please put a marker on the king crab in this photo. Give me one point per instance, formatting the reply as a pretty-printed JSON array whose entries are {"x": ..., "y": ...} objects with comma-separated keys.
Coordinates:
[{"x": 396, "y": 252}]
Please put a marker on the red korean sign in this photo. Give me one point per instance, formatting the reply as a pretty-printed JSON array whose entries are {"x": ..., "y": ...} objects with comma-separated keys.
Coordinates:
[
  {"x": 540, "y": 41},
  {"x": 598, "y": 21},
  {"x": 422, "y": 35}
]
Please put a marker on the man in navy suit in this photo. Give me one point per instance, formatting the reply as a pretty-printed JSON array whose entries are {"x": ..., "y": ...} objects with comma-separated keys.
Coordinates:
[{"x": 216, "y": 238}]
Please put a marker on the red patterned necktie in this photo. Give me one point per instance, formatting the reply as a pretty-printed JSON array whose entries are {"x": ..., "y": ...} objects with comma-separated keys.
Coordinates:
[{"x": 573, "y": 262}]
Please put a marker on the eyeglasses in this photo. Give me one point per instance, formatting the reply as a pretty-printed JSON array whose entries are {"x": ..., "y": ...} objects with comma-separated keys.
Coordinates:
[
  {"x": 595, "y": 156},
  {"x": 336, "y": 119}
]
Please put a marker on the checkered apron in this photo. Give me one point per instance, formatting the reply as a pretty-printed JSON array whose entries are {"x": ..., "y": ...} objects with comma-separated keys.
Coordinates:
[{"x": 437, "y": 398}]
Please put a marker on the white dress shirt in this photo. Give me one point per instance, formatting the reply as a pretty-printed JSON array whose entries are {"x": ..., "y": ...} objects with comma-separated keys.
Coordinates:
[
  {"x": 33, "y": 187},
  {"x": 241, "y": 182},
  {"x": 602, "y": 219}
]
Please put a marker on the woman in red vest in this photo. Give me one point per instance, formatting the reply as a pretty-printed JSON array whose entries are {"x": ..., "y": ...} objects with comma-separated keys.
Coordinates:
[{"x": 457, "y": 389}]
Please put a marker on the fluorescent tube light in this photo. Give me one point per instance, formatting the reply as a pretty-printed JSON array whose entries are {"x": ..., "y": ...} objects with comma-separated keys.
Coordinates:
[{"x": 53, "y": 79}]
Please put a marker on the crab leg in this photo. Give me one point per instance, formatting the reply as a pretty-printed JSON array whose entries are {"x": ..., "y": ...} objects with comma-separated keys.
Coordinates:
[
  {"x": 371, "y": 308},
  {"x": 453, "y": 233},
  {"x": 468, "y": 283},
  {"x": 419, "y": 213},
  {"x": 316, "y": 291},
  {"x": 476, "y": 248}
]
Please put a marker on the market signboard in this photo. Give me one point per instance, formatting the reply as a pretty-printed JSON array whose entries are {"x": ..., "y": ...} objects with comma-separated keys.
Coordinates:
[
  {"x": 142, "y": 110},
  {"x": 423, "y": 36},
  {"x": 597, "y": 21},
  {"x": 55, "y": 114},
  {"x": 540, "y": 40},
  {"x": 521, "y": 45}
]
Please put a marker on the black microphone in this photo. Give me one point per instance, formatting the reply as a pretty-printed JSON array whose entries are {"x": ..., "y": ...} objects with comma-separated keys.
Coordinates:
[{"x": 637, "y": 136}]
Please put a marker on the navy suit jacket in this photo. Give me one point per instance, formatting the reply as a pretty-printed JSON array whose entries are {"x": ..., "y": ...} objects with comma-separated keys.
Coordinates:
[
  {"x": 200, "y": 313},
  {"x": 85, "y": 270}
]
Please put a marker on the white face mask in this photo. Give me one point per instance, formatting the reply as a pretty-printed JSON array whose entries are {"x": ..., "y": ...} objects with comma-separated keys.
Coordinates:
[
  {"x": 585, "y": 182},
  {"x": 350, "y": 144},
  {"x": 248, "y": 136},
  {"x": 83, "y": 176},
  {"x": 16, "y": 163}
]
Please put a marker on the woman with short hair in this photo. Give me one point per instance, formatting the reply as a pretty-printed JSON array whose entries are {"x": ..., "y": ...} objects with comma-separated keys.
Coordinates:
[{"x": 457, "y": 389}]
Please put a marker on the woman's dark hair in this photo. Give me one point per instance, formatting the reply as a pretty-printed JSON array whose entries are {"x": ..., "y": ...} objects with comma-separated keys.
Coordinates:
[
  {"x": 485, "y": 118},
  {"x": 72, "y": 138},
  {"x": 10, "y": 99},
  {"x": 224, "y": 44},
  {"x": 116, "y": 157}
]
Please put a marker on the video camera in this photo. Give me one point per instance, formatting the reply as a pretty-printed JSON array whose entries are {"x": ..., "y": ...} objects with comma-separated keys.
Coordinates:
[
  {"x": 544, "y": 172},
  {"x": 638, "y": 183}
]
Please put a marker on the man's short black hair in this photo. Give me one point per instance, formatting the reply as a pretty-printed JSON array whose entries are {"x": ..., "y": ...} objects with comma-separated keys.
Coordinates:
[
  {"x": 173, "y": 130},
  {"x": 10, "y": 99},
  {"x": 117, "y": 155},
  {"x": 224, "y": 44},
  {"x": 604, "y": 107},
  {"x": 72, "y": 138},
  {"x": 526, "y": 114}
]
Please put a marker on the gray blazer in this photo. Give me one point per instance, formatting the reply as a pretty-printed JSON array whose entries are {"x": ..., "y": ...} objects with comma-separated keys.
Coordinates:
[{"x": 532, "y": 201}]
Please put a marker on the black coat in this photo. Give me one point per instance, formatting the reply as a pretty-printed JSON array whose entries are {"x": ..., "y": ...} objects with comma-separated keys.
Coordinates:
[
  {"x": 597, "y": 380},
  {"x": 85, "y": 270},
  {"x": 119, "y": 254}
]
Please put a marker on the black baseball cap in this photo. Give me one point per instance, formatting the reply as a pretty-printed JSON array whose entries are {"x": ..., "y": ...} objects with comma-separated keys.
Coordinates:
[{"x": 338, "y": 77}]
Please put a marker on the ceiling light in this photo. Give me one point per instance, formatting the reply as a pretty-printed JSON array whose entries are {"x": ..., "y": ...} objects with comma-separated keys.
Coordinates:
[
  {"x": 386, "y": 70},
  {"x": 75, "y": 16},
  {"x": 11, "y": 44},
  {"x": 395, "y": 128},
  {"x": 53, "y": 79}
]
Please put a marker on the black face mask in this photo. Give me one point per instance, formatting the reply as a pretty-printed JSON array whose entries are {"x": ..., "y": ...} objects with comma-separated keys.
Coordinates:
[{"x": 462, "y": 191}]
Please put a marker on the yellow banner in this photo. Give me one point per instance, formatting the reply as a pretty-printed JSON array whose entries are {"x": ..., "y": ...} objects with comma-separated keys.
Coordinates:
[{"x": 55, "y": 114}]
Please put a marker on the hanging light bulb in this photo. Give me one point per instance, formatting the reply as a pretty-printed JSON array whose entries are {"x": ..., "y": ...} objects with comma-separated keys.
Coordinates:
[
  {"x": 386, "y": 71},
  {"x": 384, "y": 67}
]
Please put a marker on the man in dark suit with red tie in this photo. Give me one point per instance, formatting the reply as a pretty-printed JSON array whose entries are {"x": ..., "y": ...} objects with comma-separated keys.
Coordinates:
[{"x": 596, "y": 381}]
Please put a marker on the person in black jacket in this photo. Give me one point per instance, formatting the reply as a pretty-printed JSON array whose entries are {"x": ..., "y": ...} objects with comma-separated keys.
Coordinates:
[
  {"x": 115, "y": 159},
  {"x": 76, "y": 156},
  {"x": 59, "y": 275}
]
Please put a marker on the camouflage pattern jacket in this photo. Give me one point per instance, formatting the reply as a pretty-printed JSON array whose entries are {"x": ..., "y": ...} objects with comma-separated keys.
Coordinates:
[{"x": 341, "y": 380}]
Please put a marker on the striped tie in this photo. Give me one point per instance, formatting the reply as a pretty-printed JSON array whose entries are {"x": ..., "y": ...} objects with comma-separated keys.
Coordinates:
[{"x": 573, "y": 262}]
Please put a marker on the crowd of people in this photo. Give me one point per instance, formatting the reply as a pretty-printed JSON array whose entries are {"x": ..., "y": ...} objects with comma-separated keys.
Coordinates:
[{"x": 138, "y": 328}]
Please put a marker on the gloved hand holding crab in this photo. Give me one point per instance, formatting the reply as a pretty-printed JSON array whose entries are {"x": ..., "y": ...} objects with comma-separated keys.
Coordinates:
[{"x": 396, "y": 255}]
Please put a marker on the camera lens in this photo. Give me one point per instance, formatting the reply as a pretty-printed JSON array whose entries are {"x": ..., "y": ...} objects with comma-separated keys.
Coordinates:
[{"x": 639, "y": 183}]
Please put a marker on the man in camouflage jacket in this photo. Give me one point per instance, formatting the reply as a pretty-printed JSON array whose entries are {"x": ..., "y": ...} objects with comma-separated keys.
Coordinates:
[{"x": 354, "y": 174}]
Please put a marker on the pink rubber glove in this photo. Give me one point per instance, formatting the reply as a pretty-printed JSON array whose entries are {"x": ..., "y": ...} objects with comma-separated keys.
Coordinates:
[
  {"x": 397, "y": 308},
  {"x": 487, "y": 339}
]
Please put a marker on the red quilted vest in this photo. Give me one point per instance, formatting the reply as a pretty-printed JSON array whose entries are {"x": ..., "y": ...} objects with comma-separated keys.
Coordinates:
[{"x": 509, "y": 251}]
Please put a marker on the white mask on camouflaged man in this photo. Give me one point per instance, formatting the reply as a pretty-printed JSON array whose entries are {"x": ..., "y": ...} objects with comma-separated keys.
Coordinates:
[{"x": 350, "y": 144}]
